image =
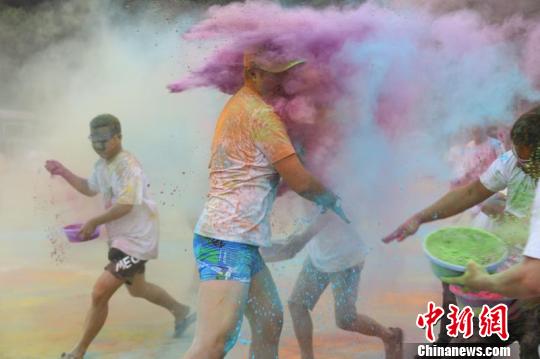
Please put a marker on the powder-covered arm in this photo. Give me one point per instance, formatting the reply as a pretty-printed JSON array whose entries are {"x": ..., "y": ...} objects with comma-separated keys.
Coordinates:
[
  {"x": 452, "y": 203},
  {"x": 115, "y": 212},
  {"x": 78, "y": 183}
]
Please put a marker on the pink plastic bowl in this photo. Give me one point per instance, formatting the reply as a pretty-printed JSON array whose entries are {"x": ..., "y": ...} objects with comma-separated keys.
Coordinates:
[
  {"x": 72, "y": 233},
  {"x": 478, "y": 299}
]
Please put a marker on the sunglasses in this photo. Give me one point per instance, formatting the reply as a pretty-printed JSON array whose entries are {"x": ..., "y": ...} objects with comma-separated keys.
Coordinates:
[{"x": 100, "y": 138}]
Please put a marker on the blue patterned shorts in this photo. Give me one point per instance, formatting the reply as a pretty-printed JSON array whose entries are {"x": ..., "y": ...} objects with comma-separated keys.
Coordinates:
[{"x": 225, "y": 260}]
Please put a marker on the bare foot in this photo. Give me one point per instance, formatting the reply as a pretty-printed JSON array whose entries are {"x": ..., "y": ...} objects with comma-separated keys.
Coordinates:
[{"x": 393, "y": 348}]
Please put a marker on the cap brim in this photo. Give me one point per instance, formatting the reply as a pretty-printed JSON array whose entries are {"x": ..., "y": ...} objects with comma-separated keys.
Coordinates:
[{"x": 278, "y": 68}]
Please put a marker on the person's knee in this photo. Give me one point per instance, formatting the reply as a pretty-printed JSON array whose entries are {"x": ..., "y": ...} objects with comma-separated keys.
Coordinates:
[
  {"x": 297, "y": 309},
  {"x": 137, "y": 291},
  {"x": 100, "y": 295},
  {"x": 345, "y": 321},
  {"x": 275, "y": 324}
]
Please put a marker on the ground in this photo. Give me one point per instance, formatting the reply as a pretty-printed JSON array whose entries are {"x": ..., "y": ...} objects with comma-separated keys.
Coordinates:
[{"x": 44, "y": 300}]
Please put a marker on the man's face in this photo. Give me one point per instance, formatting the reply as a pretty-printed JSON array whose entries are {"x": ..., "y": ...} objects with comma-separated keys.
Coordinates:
[
  {"x": 523, "y": 153},
  {"x": 268, "y": 84},
  {"x": 104, "y": 142},
  {"x": 528, "y": 159}
]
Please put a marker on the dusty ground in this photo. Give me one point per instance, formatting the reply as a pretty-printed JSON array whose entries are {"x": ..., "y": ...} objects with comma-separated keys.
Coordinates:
[
  {"x": 46, "y": 282},
  {"x": 44, "y": 302}
]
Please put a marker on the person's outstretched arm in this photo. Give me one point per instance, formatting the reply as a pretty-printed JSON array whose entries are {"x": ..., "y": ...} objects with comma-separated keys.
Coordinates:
[
  {"x": 452, "y": 203},
  {"x": 79, "y": 183}
]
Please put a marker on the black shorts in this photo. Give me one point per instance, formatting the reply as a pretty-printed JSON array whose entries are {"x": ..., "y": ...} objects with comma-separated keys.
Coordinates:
[{"x": 123, "y": 266}]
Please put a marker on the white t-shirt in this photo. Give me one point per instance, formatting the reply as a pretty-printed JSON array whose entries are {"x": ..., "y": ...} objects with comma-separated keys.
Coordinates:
[
  {"x": 504, "y": 173},
  {"x": 122, "y": 181},
  {"x": 532, "y": 249},
  {"x": 337, "y": 247}
]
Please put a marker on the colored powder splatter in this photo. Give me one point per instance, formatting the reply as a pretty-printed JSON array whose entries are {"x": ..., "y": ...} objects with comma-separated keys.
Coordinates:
[
  {"x": 480, "y": 295},
  {"x": 459, "y": 246},
  {"x": 370, "y": 68},
  {"x": 57, "y": 241}
]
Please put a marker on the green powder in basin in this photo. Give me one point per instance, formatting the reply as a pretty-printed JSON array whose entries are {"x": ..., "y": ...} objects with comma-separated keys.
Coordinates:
[{"x": 459, "y": 245}]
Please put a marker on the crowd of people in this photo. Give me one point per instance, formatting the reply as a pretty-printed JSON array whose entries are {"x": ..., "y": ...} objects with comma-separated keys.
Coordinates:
[{"x": 496, "y": 176}]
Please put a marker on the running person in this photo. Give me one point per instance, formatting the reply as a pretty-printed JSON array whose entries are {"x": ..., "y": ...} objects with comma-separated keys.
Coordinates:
[
  {"x": 517, "y": 172},
  {"x": 336, "y": 256},
  {"x": 250, "y": 151},
  {"x": 131, "y": 219}
]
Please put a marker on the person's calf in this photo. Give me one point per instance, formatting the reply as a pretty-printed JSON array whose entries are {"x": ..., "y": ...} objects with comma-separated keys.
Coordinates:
[
  {"x": 266, "y": 332},
  {"x": 351, "y": 321},
  {"x": 157, "y": 295},
  {"x": 211, "y": 349}
]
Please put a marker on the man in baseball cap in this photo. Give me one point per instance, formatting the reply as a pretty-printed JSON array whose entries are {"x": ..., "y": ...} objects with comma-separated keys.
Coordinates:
[{"x": 250, "y": 151}]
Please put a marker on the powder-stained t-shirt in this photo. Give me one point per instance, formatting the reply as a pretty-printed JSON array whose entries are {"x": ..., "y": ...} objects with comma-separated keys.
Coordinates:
[
  {"x": 513, "y": 227},
  {"x": 249, "y": 137},
  {"x": 122, "y": 181},
  {"x": 338, "y": 246},
  {"x": 505, "y": 174}
]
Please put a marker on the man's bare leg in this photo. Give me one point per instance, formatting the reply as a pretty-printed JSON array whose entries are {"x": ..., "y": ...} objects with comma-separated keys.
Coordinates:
[
  {"x": 104, "y": 288},
  {"x": 140, "y": 288},
  {"x": 265, "y": 314},
  {"x": 220, "y": 310}
]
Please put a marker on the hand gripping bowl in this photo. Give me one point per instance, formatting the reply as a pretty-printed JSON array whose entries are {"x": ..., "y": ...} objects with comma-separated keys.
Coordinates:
[
  {"x": 450, "y": 249},
  {"x": 72, "y": 233}
]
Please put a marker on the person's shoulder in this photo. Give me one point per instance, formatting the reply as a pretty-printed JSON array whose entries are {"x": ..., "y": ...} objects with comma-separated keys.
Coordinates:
[
  {"x": 507, "y": 157},
  {"x": 126, "y": 159},
  {"x": 506, "y": 161},
  {"x": 100, "y": 164}
]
